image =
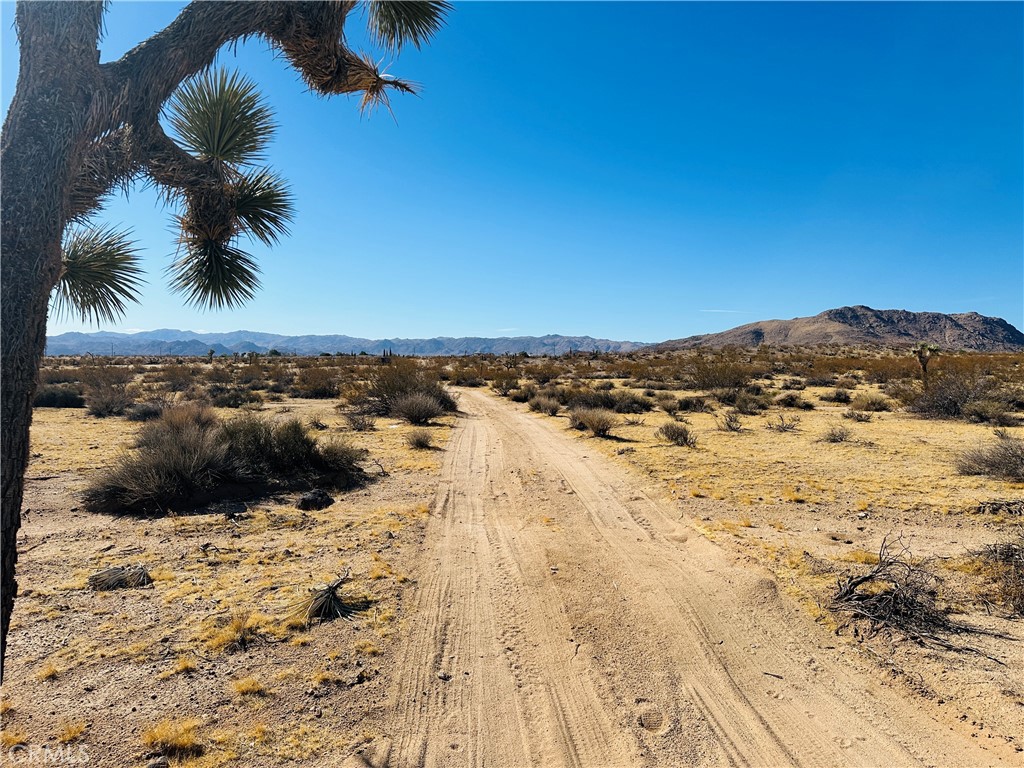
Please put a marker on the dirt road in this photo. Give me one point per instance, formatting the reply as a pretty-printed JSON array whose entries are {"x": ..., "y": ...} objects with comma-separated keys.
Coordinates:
[{"x": 567, "y": 618}]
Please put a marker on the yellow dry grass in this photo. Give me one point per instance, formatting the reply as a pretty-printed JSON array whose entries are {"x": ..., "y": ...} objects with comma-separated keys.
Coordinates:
[
  {"x": 896, "y": 460},
  {"x": 71, "y": 731},
  {"x": 175, "y": 738}
]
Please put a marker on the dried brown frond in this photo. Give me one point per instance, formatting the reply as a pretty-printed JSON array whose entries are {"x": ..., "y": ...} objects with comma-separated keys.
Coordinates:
[
  {"x": 325, "y": 604},
  {"x": 120, "y": 577}
]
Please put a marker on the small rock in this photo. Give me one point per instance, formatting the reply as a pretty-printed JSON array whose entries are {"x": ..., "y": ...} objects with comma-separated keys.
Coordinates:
[
  {"x": 317, "y": 499},
  {"x": 444, "y": 676},
  {"x": 160, "y": 762}
]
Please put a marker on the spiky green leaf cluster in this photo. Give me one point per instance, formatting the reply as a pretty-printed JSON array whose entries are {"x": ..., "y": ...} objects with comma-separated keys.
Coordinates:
[
  {"x": 393, "y": 23},
  {"x": 221, "y": 116},
  {"x": 100, "y": 274}
]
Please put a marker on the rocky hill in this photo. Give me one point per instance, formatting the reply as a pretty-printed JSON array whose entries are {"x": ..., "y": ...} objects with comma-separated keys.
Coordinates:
[
  {"x": 184, "y": 343},
  {"x": 863, "y": 325}
]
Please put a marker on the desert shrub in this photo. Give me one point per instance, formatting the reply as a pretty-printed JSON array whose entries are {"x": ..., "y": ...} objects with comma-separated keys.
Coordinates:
[
  {"x": 543, "y": 372},
  {"x": 860, "y": 417},
  {"x": 188, "y": 456},
  {"x": 147, "y": 411},
  {"x": 840, "y": 396},
  {"x": 668, "y": 403},
  {"x": 718, "y": 371},
  {"x": 837, "y": 434},
  {"x": 58, "y": 396},
  {"x": 360, "y": 422},
  {"x": 793, "y": 400},
  {"x": 627, "y": 402},
  {"x": 504, "y": 382},
  {"x": 416, "y": 407},
  {"x": 523, "y": 394},
  {"x": 584, "y": 397},
  {"x": 542, "y": 404},
  {"x": 58, "y": 376},
  {"x": 420, "y": 439},
  {"x": 871, "y": 402},
  {"x": 744, "y": 401},
  {"x": 730, "y": 422},
  {"x": 952, "y": 391},
  {"x": 604, "y": 386},
  {"x": 232, "y": 397},
  {"x": 107, "y": 391},
  {"x": 177, "y": 378},
  {"x": 400, "y": 377},
  {"x": 600, "y": 421},
  {"x": 793, "y": 384},
  {"x": 992, "y": 412},
  {"x": 782, "y": 424},
  {"x": 1003, "y": 459},
  {"x": 693, "y": 404},
  {"x": 108, "y": 401},
  {"x": 678, "y": 434},
  {"x": 1005, "y": 566},
  {"x": 317, "y": 383}
]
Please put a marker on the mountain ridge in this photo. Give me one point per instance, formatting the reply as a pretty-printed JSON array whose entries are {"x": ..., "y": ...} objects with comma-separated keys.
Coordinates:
[
  {"x": 169, "y": 341},
  {"x": 859, "y": 324}
]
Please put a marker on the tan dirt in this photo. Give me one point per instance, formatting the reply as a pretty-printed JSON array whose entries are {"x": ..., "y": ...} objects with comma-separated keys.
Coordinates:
[{"x": 564, "y": 616}]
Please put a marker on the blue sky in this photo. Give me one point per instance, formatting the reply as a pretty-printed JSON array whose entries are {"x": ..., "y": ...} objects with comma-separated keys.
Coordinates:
[{"x": 636, "y": 171}]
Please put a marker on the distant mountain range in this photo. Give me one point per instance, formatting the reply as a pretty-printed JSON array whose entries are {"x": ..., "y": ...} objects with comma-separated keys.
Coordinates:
[
  {"x": 861, "y": 325},
  {"x": 186, "y": 343}
]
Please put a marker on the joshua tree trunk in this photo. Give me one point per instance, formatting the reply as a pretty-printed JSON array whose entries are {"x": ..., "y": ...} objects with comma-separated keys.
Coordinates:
[
  {"x": 78, "y": 128},
  {"x": 47, "y": 115}
]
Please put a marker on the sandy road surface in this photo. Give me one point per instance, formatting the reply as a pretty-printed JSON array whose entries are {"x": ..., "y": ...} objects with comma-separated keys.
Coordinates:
[{"x": 566, "y": 618}]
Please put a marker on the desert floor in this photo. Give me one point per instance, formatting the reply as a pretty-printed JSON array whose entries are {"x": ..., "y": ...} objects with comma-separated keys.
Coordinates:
[{"x": 535, "y": 597}]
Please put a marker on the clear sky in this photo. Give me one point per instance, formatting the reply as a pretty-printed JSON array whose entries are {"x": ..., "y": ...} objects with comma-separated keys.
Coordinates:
[{"x": 637, "y": 171}]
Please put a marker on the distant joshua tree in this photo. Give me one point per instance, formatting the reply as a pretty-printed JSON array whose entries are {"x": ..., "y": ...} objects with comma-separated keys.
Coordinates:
[{"x": 924, "y": 353}]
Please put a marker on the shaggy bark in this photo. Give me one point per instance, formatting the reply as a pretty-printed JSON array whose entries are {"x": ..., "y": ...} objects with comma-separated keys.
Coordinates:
[{"x": 77, "y": 128}]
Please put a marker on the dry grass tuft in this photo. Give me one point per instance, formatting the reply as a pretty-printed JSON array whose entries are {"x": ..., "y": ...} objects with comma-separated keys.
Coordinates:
[
  {"x": 70, "y": 731},
  {"x": 249, "y": 686},
  {"x": 241, "y": 631},
  {"x": 175, "y": 738}
]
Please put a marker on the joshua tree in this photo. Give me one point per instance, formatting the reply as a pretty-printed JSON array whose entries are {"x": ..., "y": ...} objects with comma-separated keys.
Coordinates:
[
  {"x": 78, "y": 129},
  {"x": 924, "y": 353}
]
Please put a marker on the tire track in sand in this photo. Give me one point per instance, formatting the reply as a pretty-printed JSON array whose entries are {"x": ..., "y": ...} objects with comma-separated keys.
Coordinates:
[{"x": 563, "y": 618}]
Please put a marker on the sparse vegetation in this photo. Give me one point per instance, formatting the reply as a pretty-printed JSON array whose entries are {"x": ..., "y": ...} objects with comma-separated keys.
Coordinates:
[
  {"x": 1003, "y": 458},
  {"x": 678, "y": 434}
]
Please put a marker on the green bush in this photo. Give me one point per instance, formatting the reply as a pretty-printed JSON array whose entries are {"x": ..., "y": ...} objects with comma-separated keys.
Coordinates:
[
  {"x": 599, "y": 421},
  {"x": 840, "y": 396},
  {"x": 188, "y": 457},
  {"x": 627, "y": 402},
  {"x": 523, "y": 394},
  {"x": 417, "y": 407},
  {"x": 398, "y": 378},
  {"x": 542, "y": 404},
  {"x": 317, "y": 383},
  {"x": 678, "y": 434},
  {"x": 58, "y": 396},
  {"x": 793, "y": 400},
  {"x": 420, "y": 439},
  {"x": 871, "y": 402}
]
